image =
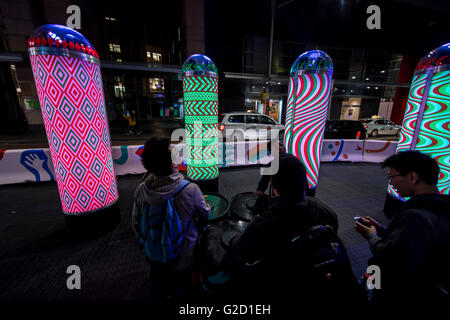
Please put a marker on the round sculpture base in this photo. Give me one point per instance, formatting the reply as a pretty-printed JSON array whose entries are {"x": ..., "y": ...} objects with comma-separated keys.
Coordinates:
[
  {"x": 94, "y": 224},
  {"x": 310, "y": 192}
]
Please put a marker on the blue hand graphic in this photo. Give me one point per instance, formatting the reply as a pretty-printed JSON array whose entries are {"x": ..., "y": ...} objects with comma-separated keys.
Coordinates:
[{"x": 35, "y": 161}]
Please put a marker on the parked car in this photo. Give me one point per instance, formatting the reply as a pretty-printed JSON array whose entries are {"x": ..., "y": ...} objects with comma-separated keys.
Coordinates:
[
  {"x": 376, "y": 127},
  {"x": 240, "y": 126},
  {"x": 344, "y": 129}
]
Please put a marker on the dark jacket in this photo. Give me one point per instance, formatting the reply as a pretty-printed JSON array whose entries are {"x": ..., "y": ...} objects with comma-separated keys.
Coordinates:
[
  {"x": 261, "y": 260},
  {"x": 268, "y": 232},
  {"x": 413, "y": 252}
]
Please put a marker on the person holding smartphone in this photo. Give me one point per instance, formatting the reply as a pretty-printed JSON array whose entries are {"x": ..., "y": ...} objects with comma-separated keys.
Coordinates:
[{"x": 413, "y": 251}]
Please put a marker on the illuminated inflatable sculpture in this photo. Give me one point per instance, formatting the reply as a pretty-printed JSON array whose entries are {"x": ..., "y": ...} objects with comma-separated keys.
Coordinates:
[
  {"x": 306, "y": 112},
  {"x": 426, "y": 124},
  {"x": 200, "y": 93},
  {"x": 66, "y": 71}
]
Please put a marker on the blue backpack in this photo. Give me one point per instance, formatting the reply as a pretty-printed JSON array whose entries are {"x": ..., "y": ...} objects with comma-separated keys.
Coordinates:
[{"x": 162, "y": 230}]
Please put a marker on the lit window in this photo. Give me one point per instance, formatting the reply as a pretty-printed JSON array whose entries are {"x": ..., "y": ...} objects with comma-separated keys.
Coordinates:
[
  {"x": 110, "y": 19},
  {"x": 114, "y": 48},
  {"x": 157, "y": 57},
  {"x": 119, "y": 88},
  {"x": 156, "y": 84},
  {"x": 153, "y": 56}
]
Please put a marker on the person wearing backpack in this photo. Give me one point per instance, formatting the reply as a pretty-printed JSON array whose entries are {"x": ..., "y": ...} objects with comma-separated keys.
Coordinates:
[
  {"x": 286, "y": 251},
  {"x": 166, "y": 214},
  {"x": 413, "y": 251}
]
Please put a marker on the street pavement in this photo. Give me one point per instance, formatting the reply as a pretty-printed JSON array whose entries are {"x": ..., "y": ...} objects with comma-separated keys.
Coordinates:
[
  {"x": 36, "y": 249},
  {"x": 35, "y": 136}
]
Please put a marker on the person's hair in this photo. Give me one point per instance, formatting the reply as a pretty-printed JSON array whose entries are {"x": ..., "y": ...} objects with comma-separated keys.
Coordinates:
[
  {"x": 157, "y": 157},
  {"x": 290, "y": 180},
  {"x": 414, "y": 161}
]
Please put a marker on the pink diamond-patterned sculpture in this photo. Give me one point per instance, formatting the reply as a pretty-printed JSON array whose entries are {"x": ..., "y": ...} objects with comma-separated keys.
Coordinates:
[{"x": 67, "y": 74}]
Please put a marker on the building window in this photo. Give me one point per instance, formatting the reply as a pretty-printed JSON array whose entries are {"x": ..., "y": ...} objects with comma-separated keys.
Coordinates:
[
  {"x": 154, "y": 57},
  {"x": 110, "y": 19},
  {"x": 114, "y": 48},
  {"x": 157, "y": 57},
  {"x": 154, "y": 54},
  {"x": 156, "y": 85},
  {"x": 119, "y": 88}
]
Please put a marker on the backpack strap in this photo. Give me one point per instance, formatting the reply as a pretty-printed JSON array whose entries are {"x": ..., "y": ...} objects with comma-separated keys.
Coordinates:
[{"x": 183, "y": 185}]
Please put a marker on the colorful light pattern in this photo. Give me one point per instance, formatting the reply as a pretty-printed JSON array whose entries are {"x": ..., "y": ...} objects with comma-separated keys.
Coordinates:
[
  {"x": 426, "y": 124},
  {"x": 306, "y": 112},
  {"x": 69, "y": 84},
  {"x": 200, "y": 93}
]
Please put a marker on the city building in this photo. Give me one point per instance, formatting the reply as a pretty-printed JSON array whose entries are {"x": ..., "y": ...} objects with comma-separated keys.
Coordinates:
[{"x": 142, "y": 46}]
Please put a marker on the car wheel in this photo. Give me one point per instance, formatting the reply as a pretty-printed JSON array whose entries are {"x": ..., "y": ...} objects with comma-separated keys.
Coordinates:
[
  {"x": 374, "y": 133},
  {"x": 237, "y": 136}
]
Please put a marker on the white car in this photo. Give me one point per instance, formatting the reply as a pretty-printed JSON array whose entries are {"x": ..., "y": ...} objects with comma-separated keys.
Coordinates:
[
  {"x": 240, "y": 126},
  {"x": 376, "y": 127}
]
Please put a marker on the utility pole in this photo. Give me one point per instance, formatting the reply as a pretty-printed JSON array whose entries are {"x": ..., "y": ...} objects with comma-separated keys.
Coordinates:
[
  {"x": 272, "y": 26},
  {"x": 271, "y": 40},
  {"x": 269, "y": 69}
]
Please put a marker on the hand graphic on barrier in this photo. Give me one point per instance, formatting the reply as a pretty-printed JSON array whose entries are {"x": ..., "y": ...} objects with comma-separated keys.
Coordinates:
[{"x": 36, "y": 161}]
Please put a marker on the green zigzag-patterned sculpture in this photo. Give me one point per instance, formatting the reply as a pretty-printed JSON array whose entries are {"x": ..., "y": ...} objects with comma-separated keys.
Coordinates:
[{"x": 200, "y": 88}]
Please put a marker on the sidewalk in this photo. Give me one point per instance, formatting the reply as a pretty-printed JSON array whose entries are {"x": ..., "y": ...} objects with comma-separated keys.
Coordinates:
[
  {"x": 35, "y": 136},
  {"x": 35, "y": 248}
]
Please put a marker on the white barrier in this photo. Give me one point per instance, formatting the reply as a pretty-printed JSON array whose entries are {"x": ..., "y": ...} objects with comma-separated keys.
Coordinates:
[
  {"x": 378, "y": 150},
  {"x": 35, "y": 165},
  {"x": 342, "y": 150},
  {"x": 127, "y": 160},
  {"x": 31, "y": 165}
]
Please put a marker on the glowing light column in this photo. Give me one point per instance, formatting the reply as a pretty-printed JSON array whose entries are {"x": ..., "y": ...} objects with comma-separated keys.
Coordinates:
[
  {"x": 306, "y": 112},
  {"x": 200, "y": 92},
  {"x": 426, "y": 124},
  {"x": 66, "y": 71}
]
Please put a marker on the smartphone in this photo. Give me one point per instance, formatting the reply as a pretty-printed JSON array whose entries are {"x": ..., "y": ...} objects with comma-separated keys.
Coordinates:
[{"x": 360, "y": 220}]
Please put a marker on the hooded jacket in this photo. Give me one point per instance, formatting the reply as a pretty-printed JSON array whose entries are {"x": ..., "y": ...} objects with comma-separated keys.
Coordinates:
[
  {"x": 413, "y": 252},
  {"x": 189, "y": 203}
]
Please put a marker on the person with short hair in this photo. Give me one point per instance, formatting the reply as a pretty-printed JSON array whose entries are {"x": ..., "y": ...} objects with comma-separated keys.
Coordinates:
[
  {"x": 159, "y": 183},
  {"x": 413, "y": 251},
  {"x": 265, "y": 242}
]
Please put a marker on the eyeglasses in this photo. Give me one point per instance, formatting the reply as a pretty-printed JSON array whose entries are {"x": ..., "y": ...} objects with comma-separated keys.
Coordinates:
[{"x": 395, "y": 175}]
